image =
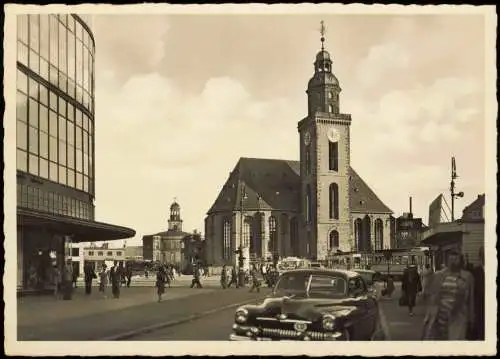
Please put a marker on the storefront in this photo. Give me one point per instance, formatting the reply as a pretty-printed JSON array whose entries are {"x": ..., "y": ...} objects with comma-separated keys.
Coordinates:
[
  {"x": 44, "y": 244},
  {"x": 443, "y": 239}
]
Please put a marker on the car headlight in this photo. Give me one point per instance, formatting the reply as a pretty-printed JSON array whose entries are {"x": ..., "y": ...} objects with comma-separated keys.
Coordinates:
[
  {"x": 328, "y": 322},
  {"x": 241, "y": 315}
]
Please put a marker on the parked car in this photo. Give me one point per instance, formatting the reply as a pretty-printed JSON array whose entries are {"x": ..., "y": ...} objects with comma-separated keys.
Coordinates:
[
  {"x": 372, "y": 280},
  {"x": 311, "y": 304}
]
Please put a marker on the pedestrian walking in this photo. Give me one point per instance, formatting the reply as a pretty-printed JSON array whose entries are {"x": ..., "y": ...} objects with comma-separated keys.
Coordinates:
[
  {"x": 160, "y": 282},
  {"x": 56, "y": 279},
  {"x": 234, "y": 278},
  {"x": 477, "y": 332},
  {"x": 255, "y": 281},
  {"x": 67, "y": 281},
  {"x": 411, "y": 286},
  {"x": 223, "y": 277},
  {"x": 196, "y": 278},
  {"x": 89, "y": 275},
  {"x": 74, "y": 275},
  {"x": 115, "y": 278},
  {"x": 128, "y": 274},
  {"x": 103, "y": 280},
  {"x": 450, "y": 308}
]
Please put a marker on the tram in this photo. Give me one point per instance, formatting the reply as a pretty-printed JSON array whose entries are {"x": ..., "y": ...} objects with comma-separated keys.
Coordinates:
[{"x": 386, "y": 262}]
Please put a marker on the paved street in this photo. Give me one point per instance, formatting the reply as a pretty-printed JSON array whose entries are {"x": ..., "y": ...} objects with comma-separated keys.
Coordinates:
[
  {"x": 399, "y": 324},
  {"x": 96, "y": 318}
]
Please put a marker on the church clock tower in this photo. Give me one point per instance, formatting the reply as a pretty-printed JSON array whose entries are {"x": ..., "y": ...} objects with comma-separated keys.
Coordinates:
[{"x": 324, "y": 164}]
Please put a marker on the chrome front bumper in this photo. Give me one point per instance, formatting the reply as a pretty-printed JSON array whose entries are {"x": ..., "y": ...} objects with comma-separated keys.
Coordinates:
[{"x": 235, "y": 337}]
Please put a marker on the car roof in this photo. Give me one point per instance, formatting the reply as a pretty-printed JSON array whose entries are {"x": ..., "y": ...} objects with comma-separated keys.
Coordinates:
[
  {"x": 364, "y": 271},
  {"x": 324, "y": 271}
]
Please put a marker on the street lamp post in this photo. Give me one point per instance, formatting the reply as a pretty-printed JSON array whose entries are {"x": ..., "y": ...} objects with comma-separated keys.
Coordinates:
[{"x": 452, "y": 188}]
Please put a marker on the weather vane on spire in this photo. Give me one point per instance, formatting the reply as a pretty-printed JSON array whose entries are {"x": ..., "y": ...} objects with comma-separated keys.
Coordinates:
[{"x": 322, "y": 31}]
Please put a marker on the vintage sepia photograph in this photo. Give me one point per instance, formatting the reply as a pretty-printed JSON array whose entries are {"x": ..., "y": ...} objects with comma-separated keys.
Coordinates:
[{"x": 182, "y": 178}]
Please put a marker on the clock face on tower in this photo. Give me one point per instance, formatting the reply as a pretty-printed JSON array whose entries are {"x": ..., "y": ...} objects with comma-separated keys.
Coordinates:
[
  {"x": 307, "y": 138},
  {"x": 333, "y": 135}
]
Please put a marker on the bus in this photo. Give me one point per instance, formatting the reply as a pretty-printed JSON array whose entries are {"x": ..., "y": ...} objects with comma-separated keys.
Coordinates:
[{"x": 386, "y": 262}]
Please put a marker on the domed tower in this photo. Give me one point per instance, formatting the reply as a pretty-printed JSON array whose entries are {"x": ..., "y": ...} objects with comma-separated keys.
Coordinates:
[
  {"x": 324, "y": 164},
  {"x": 175, "y": 221}
]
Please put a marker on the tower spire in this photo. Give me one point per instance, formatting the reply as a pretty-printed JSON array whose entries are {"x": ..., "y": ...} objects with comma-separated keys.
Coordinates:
[{"x": 322, "y": 32}]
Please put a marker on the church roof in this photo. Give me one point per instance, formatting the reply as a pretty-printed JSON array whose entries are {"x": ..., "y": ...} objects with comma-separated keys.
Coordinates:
[{"x": 275, "y": 184}]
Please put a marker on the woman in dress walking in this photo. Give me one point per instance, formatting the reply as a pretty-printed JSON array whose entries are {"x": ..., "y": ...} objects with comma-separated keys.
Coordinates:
[{"x": 160, "y": 282}]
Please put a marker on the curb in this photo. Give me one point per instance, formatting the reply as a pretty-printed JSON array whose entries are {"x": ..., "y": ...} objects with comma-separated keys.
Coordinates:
[{"x": 171, "y": 323}]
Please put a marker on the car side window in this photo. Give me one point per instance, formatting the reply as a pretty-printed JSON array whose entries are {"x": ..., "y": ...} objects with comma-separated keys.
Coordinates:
[
  {"x": 356, "y": 287},
  {"x": 327, "y": 286}
]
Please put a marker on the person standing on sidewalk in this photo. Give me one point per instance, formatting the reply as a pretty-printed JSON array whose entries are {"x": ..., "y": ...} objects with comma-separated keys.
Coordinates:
[
  {"x": 450, "y": 309},
  {"x": 103, "y": 280},
  {"x": 255, "y": 281},
  {"x": 128, "y": 274},
  {"x": 234, "y": 278},
  {"x": 411, "y": 285},
  {"x": 115, "y": 277},
  {"x": 223, "y": 277},
  {"x": 196, "y": 278},
  {"x": 160, "y": 282},
  {"x": 479, "y": 304},
  {"x": 89, "y": 274}
]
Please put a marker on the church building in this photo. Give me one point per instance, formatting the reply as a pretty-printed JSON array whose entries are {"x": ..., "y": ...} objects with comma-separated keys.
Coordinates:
[{"x": 310, "y": 208}]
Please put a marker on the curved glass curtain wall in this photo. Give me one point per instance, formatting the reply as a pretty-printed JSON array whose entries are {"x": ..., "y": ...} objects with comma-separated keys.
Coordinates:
[{"x": 55, "y": 110}]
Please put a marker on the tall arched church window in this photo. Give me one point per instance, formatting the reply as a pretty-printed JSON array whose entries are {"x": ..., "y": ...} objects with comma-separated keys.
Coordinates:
[
  {"x": 226, "y": 238},
  {"x": 333, "y": 240},
  {"x": 334, "y": 201},
  {"x": 247, "y": 230},
  {"x": 358, "y": 233},
  {"x": 333, "y": 156},
  {"x": 273, "y": 235},
  {"x": 308, "y": 204},
  {"x": 379, "y": 234}
]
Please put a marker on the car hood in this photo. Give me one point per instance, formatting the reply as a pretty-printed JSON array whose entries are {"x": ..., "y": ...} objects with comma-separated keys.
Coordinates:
[{"x": 304, "y": 308}]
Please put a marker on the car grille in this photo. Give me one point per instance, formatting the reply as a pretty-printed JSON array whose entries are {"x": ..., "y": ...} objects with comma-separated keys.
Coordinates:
[{"x": 274, "y": 329}]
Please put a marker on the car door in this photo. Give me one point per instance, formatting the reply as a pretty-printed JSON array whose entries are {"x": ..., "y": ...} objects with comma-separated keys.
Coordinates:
[{"x": 371, "y": 305}]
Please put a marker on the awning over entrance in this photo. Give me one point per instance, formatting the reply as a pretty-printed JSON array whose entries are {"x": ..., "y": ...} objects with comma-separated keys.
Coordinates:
[{"x": 81, "y": 230}]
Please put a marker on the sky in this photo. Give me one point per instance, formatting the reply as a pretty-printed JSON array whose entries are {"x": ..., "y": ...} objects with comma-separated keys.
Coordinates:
[{"x": 180, "y": 98}]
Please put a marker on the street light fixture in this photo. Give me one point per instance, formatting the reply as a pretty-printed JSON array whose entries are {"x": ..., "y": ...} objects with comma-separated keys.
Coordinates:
[{"x": 452, "y": 188}]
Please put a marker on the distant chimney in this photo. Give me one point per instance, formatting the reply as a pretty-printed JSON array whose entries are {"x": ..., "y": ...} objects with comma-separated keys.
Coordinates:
[{"x": 411, "y": 212}]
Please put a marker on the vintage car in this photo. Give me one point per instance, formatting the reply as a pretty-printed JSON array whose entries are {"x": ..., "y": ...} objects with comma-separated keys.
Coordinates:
[
  {"x": 312, "y": 304},
  {"x": 372, "y": 280}
]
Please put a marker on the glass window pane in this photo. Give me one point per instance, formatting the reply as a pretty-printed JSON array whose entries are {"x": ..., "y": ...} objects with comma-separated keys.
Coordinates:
[
  {"x": 62, "y": 128},
  {"x": 85, "y": 69},
  {"x": 44, "y": 95},
  {"x": 79, "y": 181},
  {"x": 85, "y": 143},
  {"x": 62, "y": 153},
  {"x": 33, "y": 165},
  {"x": 34, "y": 36},
  {"x": 62, "y": 107},
  {"x": 62, "y": 175},
  {"x": 71, "y": 113},
  {"x": 34, "y": 62},
  {"x": 22, "y": 135},
  {"x": 71, "y": 56},
  {"x": 22, "y": 107},
  {"x": 22, "y": 81},
  {"x": 79, "y": 63},
  {"x": 53, "y": 148},
  {"x": 71, "y": 23},
  {"x": 52, "y": 123},
  {"x": 44, "y": 145},
  {"x": 22, "y": 53},
  {"x": 33, "y": 89},
  {"x": 53, "y": 75},
  {"x": 44, "y": 168},
  {"x": 44, "y": 69},
  {"x": 71, "y": 133},
  {"x": 71, "y": 88},
  {"x": 85, "y": 122},
  {"x": 63, "y": 19},
  {"x": 90, "y": 167},
  {"x": 71, "y": 178},
  {"x": 53, "y": 101},
  {"x": 78, "y": 117},
  {"x": 54, "y": 39},
  {"x": 78, "y": 138},
  {"x": 44, "y": 119},
  {"x": 22, "y": 28},
  {"x": 44, "y": 36},
  {"x": 79, "y": 160},
  {"x": 22, "y": 160},
  {"x": 62, "y": 49},
  {"x": 33, "y": 140},
  {"x": 33, "y": 113},
  {"x": 85, "y": 183},
  {"x": 71, "y": 156},
  {"x": 85, "y": 164},
  {"x": 63, "y": 81},
  {"x": 53, "y": 171}
]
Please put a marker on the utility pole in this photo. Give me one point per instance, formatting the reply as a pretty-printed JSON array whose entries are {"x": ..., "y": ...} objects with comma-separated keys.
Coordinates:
[{"x": 452, "y": 188}]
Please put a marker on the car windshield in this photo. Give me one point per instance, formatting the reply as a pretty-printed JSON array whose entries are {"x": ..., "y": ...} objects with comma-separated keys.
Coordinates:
[{"x": 311, "y": 285}]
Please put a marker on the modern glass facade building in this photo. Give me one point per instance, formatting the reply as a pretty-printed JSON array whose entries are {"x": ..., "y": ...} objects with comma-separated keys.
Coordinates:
[{"x": 55, "y": 143}]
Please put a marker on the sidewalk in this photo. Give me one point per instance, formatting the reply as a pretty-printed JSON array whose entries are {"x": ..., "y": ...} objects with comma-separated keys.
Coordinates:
[
  {"x": 116, "y": 318},
  {"x": 142, "y": 281},
  {"x": 401, "y": 325}
]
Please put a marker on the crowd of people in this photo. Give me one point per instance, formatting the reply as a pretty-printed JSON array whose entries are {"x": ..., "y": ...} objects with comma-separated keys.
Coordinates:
[{"x": 452, "y": 297}]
